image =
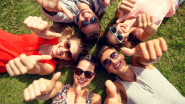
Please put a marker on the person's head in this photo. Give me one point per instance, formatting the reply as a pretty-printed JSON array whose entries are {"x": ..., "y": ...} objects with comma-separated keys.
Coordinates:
[
  {"x": 111, "y": 60},
  {"x": 116, "y": 35},
  {"x": 68, "y": 47},
  {"x": 89, "y": 23},
  {"x": 85, "y": 70}
]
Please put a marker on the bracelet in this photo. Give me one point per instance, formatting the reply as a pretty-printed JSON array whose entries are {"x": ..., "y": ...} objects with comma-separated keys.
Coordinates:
[{"x": 118, "y": 8}]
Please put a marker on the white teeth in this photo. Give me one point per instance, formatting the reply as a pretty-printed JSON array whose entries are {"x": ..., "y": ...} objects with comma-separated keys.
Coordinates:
[
  {"x": 81, "y": 81},
  {"x": 59, "y": 51},
  {"x": 117, "y": 65}
]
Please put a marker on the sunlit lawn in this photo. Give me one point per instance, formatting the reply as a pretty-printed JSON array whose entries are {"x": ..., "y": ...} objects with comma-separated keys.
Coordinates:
[{"x": 171, "y": 65}]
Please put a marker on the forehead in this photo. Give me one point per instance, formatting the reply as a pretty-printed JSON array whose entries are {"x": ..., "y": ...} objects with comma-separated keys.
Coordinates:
[
  {"x": 90, "y": 28},
  {"x": 85, "y": 65},
  {"x": 106, "y": 54}
]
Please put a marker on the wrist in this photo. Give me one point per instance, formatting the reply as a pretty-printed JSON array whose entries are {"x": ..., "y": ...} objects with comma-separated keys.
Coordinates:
[{"x": 48, "y": 12}]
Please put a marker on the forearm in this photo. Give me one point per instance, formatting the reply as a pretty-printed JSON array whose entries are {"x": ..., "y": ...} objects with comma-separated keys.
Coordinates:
[{"x": 148, "y": 32}]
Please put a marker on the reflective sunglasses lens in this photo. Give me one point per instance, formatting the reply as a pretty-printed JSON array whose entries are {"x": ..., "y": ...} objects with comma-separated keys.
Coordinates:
[
  {"x": 114, "y": 55},
  {"x": 113, "y": 29},
  {"x": 68, "y": 54},
  {"x": 78, "y": 71},
  {"x": 93, "y": 20},
  {"x": 67, "y": 44},
  {"x": 120, "y": 37},
  {"x": 106, "y": 63},
  {"x": 84, "y": 23},
  {"x": 88, "y": 74}
]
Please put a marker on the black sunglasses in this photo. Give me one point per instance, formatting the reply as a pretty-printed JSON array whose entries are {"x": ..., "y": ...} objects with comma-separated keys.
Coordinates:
[
  {"x": 107, "y": 62},
  {"x": 119, "y": 37},
  {"x": 67, "y": 45},
  {"x": 88, "y": 74},
  {"x": 85, "y": 22}
]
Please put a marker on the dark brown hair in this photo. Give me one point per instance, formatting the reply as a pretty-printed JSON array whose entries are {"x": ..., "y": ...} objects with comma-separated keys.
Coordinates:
[
  {"x": 92, "y": 35},
  {"x": 67, "y": 32}
]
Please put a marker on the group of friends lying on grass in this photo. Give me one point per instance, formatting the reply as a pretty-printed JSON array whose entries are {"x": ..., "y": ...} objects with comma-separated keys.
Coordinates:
[{"x": 53, "y": 46}]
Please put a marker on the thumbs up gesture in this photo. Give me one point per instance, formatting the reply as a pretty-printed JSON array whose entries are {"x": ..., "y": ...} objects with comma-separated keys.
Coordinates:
[
  {"x": 40, "y": 88},
  {"x": 40, "y": 27},
  {"x": 55, "y": 6},
  {"x": 149, "y": 52},
  {"x": 23, "y": 64},
  {"x": 112, "y": 97},
  {"x": 78, "y": 97}
]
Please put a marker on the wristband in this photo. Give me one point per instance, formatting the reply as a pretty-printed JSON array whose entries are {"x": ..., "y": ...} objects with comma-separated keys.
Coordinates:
[{"x": 50, "y": 13}]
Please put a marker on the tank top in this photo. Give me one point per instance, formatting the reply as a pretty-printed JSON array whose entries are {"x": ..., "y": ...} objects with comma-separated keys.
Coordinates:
[
  {"x": 61, "y": 97},
  {"x": 151, "y": 87}
]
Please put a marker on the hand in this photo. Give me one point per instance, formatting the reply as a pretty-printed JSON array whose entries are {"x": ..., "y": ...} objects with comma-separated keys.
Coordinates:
[
  {"x": 23, "y": 64},
  {"x": 125, "y": 7},
  {"x": 40, "y": 27},
  {"x": 107, "y": 2},
  {"x": 40, "y": 87},
  {"x": 78, "y": 97},
  {"x": 150, "y": 51},
  {"x": 112, "y": 97},
  {"x": 55, "y": 6},
  {"x": 144, "y": 20}
]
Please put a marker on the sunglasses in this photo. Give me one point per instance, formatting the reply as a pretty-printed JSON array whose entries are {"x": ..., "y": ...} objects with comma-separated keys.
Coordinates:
[
  {"x": 88, "y": 74},
  {"x": 67, "y": 45},
  {"x": 119, "y": 37},
  {"x": 107, "y": 62},
  {"x": 85, "y": 22}
]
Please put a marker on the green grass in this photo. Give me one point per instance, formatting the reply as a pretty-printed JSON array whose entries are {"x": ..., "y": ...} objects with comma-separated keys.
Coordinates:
[{"x": 171, "y": 65}]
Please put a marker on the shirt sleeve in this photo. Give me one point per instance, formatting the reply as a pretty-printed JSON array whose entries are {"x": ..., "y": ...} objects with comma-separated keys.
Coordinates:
[{"x": 51, "y": 62}]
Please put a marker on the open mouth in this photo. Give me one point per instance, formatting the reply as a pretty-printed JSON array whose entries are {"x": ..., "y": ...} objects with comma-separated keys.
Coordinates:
[
  {"x": 85, "y": 12},
  {"x": 58, "y": 51},
  {"x": 81, "y": 81},
  {"x": 117, "y": 65}
]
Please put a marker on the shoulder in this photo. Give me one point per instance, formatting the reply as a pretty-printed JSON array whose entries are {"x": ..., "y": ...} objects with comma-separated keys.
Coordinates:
[{"x": 96, "y": 99}]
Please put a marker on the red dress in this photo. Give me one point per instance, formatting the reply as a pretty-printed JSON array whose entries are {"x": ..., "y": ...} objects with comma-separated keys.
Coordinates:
[{"x": 11, "y": 46}]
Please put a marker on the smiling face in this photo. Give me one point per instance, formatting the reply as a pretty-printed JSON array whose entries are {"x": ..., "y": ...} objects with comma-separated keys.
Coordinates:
[
  {"x": 116, "y": 66},
  {"x": 87, "y": 14},
  {"x": 123, "y": 29},
  {"x": 61, "y": 51},
  {"x": 81, "y": 79}
]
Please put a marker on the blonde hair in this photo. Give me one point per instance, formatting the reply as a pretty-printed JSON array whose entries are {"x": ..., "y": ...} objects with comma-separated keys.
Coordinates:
[{"x": 69, "y": 33}]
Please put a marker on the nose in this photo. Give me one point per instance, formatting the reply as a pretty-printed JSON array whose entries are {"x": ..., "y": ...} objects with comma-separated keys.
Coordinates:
[
  {"x": 82, "y": 75},
  {"x": 87, "y": 18}
]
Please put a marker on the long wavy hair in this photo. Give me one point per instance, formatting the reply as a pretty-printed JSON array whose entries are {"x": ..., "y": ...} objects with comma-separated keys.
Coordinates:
[{"x": 69, "y": 33}]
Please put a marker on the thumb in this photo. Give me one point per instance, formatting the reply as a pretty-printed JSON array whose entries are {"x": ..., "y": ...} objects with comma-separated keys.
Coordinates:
[
  {"x": 111, "y": 89},
  {"x": 78, "y": 94},
  {"x": 41, "y": 57},
  {"x": 107, "y": 2},
  {"x": 129, "y": 52},
  {"x": 53, "y": 34},
  {"x": 53, "y": 81},
  {"x": 63, "y": 9}
]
